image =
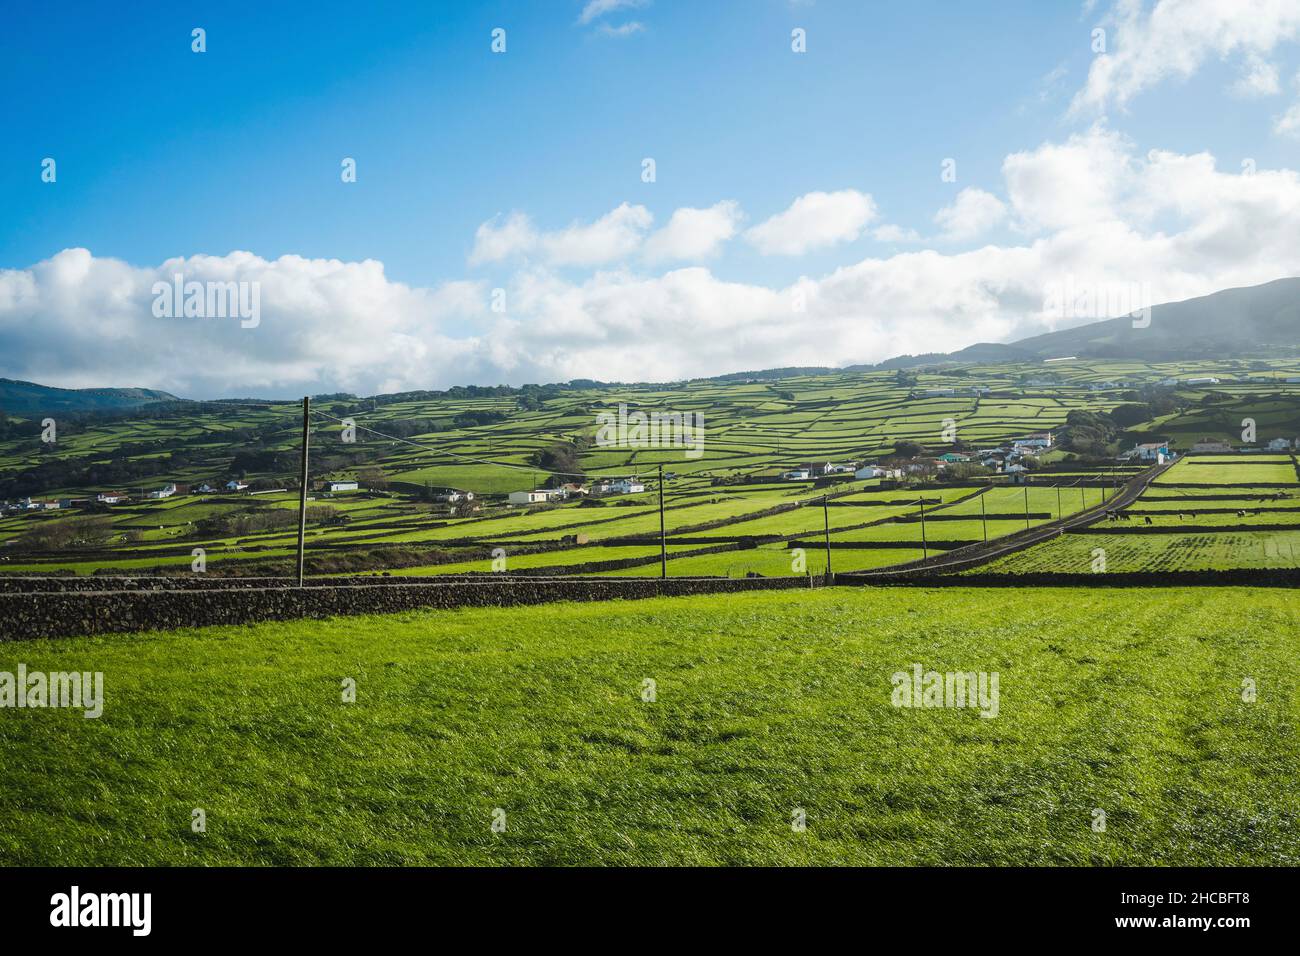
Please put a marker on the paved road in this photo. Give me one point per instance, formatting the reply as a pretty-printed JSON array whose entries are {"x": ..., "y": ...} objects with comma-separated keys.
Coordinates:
[{"x": 982, "y": 553}]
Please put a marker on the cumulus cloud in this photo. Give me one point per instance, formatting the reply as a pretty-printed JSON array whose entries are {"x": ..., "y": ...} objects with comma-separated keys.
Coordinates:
[
  {"x": 814, "y": 221},
  {"x": 1092, "y": 211},
  {"x": 972, "y": 214},
  {"x": 1175, "y": 38},
  {"x": 613, "y": 236},
  {"x": 1259, "y": 78},
  {"x": 595, "y": 9},
  {"x": 81, "y": 320},
  {"x": 694, "y": 234},
  {"x": 1060, "y": 185}
]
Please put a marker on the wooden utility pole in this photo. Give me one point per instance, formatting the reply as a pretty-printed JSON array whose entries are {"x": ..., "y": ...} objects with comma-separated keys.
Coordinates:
[
  {"x": 302, "y": 488},
  {"x": 1026, "y": 504},
  {"x": 1058, "y": 501},
  {"x": 984, "y": 520},
  {"x": 925, "y": 547},
  {"x": 663, "y": 535},
  {"x": 826, "y": 522}
]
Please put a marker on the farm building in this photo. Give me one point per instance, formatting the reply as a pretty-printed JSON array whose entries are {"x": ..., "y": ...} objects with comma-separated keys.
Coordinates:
[
  {"x": 335, "y": 486},
  {"x": 534, "y": 497},
  {"x": 1213, "y": 446},
  {"x": 626, "y": 486},
  {"x": 453, "y": 496},
  {"x": 1156, "y": 451},
  {"x": 235, "y": 485},
  {"x": 1279, "y": 444},
  {"x": 166, "y": 491}
]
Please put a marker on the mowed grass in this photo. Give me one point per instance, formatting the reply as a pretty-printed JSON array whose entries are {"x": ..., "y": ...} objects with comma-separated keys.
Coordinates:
[{"x": 1125, "y": 701}]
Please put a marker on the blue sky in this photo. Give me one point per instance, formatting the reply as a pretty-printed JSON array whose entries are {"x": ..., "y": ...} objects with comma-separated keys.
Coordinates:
[{"x": 166, "y": 153}]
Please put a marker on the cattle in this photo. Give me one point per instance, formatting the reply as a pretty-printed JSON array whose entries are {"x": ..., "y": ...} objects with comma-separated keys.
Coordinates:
[{"x": 1148, "y": 519}]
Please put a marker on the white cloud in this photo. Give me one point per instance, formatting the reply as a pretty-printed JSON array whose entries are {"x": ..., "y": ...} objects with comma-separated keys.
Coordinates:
[
  {"x": 598, "y": 8},
  {"x": 1175, "y": 38},
  {"x": 694, "y": 234},
  {"x": 623, "y": 29},
  {"x": 890, "y": 232},
  {"x": 613, "y": 236},
  {"x": 1095, "y": 210},
  {"x": 972, "y": 214},
  {"x": 1060, "y": 185},
  {"x": 814, "y": 221},
  {"x": 1259, "y": 78},
  {"x": 494, "y": 242},
  {"x": 1288, "y": 124}
]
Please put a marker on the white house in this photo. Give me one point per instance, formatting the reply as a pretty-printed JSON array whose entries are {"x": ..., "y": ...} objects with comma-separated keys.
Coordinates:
[
  {"x": 166, "y": 491},
  {"x": 452, "y": 496},
  {"x": 235, "y": 485},
  {"x": 1279, "y": 444},
  {"x": 112, "y": 497},
  {"x": 1203, "y": 380},
  {"x": 1035, "y": 440},
  {"x": 798, "y": 474},
  {"x": 205, "y": 489},
  {"x": 536, "y": 496},
  {"x": 626, "y": 486},
  {"x": 869, "y": 471},
  {"x": 333, "y": 486},
  {"x": 1156, "y": 451}
]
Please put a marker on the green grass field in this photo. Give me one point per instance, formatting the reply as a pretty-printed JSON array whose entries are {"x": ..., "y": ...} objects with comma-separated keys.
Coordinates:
[{"x": 1128, "y": 702}]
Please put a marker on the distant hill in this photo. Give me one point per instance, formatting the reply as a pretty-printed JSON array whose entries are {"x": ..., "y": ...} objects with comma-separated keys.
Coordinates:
[
  {"x": 1232, "y": 321},
  {"x": 23, "y": 399}
]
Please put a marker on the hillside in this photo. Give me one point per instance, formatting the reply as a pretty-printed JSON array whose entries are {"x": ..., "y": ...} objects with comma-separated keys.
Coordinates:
[
  {"x": 1229, "y": 322},
  {"x": 28, "y": 398}
]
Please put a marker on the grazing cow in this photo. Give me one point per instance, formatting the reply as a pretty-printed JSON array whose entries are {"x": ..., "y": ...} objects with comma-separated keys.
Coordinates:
[{"x": 1148, "y": 519}]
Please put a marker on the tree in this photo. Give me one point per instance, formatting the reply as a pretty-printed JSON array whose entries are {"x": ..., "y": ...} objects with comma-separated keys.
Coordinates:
[{"x": 373, "y": 478}]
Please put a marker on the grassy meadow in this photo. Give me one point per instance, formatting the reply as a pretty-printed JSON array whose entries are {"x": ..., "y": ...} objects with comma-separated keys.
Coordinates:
[{"x": 1128, "y": 702}]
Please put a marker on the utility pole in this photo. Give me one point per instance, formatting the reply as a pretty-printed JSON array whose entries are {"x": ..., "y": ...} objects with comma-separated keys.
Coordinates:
[
  {"x": 663, "y": 536},
  {"x": 984, "y": 515},
  {"x": 826, "y": 521},
  {"x": 302, "y": 487},
  {"x": 1058, "y": 501},
  {"x": 1026, "y": 505},
  {"x": 925, "y": 547}
]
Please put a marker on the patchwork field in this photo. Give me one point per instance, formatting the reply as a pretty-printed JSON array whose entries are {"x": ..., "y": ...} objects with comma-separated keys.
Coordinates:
[
  {"x": 765, "y": 705},
  {"x": 409, "y": 448}
]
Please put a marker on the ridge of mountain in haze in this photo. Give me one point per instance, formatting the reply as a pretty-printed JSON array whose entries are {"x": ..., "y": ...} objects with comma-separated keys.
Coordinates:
[
  {"x": 1224, "y": 323},
  {"x": 27, "y": 398}
]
